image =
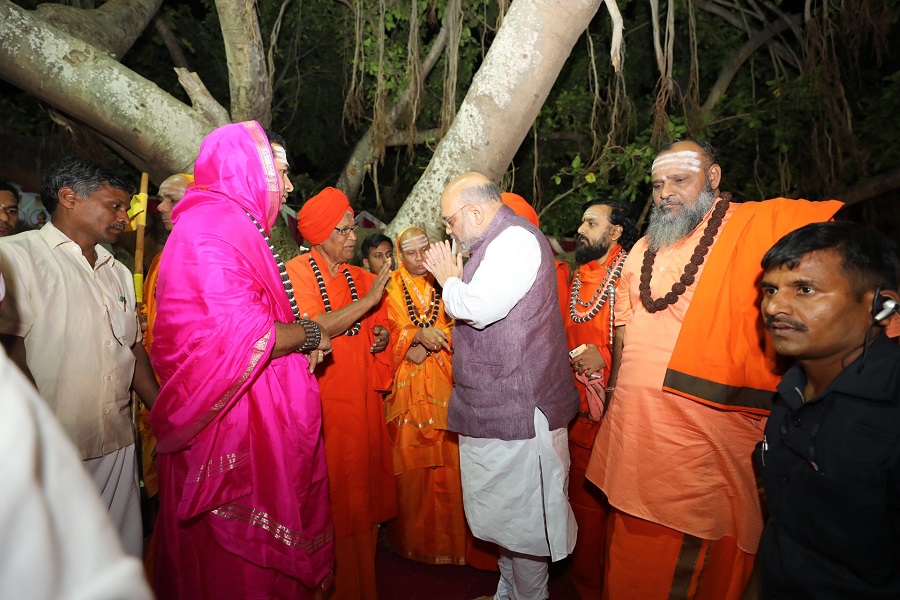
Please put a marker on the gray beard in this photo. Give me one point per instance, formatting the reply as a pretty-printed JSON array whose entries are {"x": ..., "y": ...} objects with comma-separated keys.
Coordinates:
[
  {"x": 464, "y": 245},
  {"x": 664, "y": 230}
]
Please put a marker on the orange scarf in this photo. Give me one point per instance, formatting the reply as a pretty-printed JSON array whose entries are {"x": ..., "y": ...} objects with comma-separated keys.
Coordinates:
[{"x": 723, "y": 356}]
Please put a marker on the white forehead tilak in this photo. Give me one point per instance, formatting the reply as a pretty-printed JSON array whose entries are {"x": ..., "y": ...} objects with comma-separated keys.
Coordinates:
[
  {"x": 686, "y": 159},
  {"x": 280, "y": 155},
  {"x": 416, "y": 243}
]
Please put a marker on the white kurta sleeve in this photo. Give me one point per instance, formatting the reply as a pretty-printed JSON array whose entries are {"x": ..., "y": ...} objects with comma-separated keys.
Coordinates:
[{"x": 506, "y": 273}]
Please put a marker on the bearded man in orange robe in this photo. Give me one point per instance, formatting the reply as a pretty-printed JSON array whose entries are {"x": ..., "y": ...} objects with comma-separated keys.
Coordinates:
[
  {"x": 606, "y": 234},
  {"x": 674, "y": 451},
  {"x": 346, "y": 301},
  {"x": 430, "y": 525}
]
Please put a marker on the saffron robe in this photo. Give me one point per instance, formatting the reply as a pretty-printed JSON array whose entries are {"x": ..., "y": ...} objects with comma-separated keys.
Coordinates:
[
  {"x": 148, "y": 440},
  {"x": 673, "y": 461},
  {"x": 430, "y": 525},
  {"x": 588, "y": 502}
]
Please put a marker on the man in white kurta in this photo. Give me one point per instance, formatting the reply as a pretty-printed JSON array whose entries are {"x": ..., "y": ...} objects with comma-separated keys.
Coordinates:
[
  {"x": 513, "y": 394},
  {"x": 69, "y": 322}
]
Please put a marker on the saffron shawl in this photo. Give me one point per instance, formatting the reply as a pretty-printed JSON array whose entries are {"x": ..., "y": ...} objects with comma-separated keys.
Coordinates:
[
  {"x": 239, "y": 433},
  {"x": 723, "y": 356}
]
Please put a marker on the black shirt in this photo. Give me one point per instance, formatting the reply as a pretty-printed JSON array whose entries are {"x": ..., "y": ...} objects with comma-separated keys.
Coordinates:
[{"x": 831, "y": 473}]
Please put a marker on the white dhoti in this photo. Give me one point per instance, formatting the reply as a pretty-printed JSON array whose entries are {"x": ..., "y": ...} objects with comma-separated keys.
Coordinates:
[
  {"x": 515, "y": 494},
  {"x": 116, "y": 478}
]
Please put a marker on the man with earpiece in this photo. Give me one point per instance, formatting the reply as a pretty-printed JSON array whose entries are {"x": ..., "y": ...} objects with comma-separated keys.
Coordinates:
[{"x": 830, "y": 458}]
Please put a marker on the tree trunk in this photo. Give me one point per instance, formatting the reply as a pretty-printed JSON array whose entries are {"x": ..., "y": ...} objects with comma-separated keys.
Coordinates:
[
  {"x": 90, "y": 86},
  {"x": 871, "y": 187},
  {"x": 506, "y": 95},
  {"x": 113, "y": 27},
  {"x": 248, "y": 76}
]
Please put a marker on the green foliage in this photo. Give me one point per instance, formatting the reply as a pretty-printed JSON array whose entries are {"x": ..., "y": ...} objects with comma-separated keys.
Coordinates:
[{"x": 775, "y": 134}]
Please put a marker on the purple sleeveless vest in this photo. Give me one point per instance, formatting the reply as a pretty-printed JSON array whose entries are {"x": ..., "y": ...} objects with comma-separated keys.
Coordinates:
[{"x": 501, "y": 373}]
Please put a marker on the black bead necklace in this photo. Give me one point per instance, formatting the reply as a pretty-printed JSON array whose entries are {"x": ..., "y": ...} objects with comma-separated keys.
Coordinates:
[
  {"x": 690, "y": 269},
  {"x": 285, "y": 279},
  {"x": 433, "y": 307},
  {"x": 324, "y": 293}
]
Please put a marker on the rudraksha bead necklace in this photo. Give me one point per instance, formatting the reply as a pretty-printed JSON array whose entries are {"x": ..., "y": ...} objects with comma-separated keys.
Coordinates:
[
  {"x": 604, "y": 291},
  {"x": 324, "y": 293},
  {"x": 285, "y": 279},
  {"x": 429, "y": 311},
  {"x": 690, "y": 269}
]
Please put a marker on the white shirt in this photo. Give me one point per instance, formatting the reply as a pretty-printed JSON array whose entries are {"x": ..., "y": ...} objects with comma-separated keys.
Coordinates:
[
  {"x": 56, "y": 540},
  {"x": 79, "y": 323},
  {"x": 506, "y": 273}
]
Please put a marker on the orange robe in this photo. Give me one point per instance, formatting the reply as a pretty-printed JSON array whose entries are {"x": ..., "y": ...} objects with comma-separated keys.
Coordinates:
[
  {"x": 678, "y": 471},
  {"x": 148, "y": 440},
  {"x": 588, "y": 502},
  {"x": 149, "y": 307},
  {"x": 430, "y": 525},
  {"x": 357, "y": 451}
]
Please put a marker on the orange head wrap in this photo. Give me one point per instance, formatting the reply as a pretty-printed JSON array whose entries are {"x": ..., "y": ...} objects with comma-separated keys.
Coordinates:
[
  {"x": 321, "y": 213},
  {"x": 521, "y": 207}
]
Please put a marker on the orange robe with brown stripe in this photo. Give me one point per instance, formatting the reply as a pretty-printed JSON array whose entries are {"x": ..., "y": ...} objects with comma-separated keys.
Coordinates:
[
  {"x": 357, "y": 451},
  {"x": 677, "y": 462}
]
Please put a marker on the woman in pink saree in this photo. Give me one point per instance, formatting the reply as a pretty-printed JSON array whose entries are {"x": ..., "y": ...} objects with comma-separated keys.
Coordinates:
[{"x": 244, "y": 507}]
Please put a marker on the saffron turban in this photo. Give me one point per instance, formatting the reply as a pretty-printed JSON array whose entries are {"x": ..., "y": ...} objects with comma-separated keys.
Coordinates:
[
  {"x": 521, "y": 207},
  {"x": 321, "y": 214}
]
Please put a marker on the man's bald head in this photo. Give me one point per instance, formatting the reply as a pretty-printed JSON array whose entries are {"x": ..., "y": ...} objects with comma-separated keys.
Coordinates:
[
  {"x": 468, "y": 205},
  {"x": 472, "y": 188},
  {"x": 412, "y": 244},
  {"x": 171, "y": 190},
  {"x": 412, "y": 237},
  {"x": 175, "y": 185}
]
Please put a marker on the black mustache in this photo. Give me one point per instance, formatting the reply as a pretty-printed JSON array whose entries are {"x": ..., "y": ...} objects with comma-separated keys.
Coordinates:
[{"x": 797, "y": 325}]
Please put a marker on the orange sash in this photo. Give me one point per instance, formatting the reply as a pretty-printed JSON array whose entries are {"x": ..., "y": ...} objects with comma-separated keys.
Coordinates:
[{"x": 723, "y": 356}]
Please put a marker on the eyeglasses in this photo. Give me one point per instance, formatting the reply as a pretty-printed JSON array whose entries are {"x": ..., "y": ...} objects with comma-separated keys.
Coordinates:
[
  {"x": 448, "y": 221},
  {"x": 345, "y": 231}
]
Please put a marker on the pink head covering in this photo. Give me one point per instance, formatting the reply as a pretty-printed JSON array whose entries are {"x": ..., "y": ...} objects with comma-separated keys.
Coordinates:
[
  {"x": 236, "y": 163},
  {"x": 321, "y": 213},
  {"x": 521, "y": 207}
]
